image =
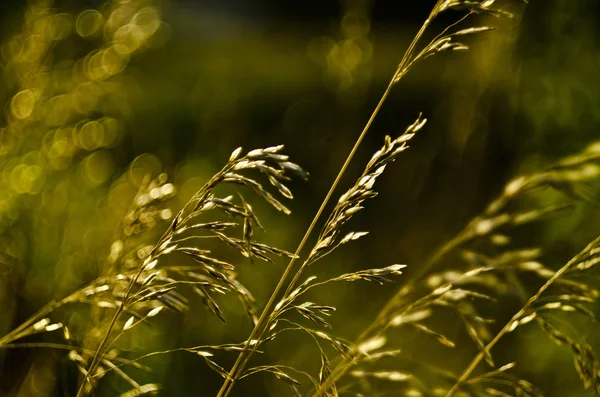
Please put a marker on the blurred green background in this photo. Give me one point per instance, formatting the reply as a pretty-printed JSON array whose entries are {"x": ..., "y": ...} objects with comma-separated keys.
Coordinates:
[{"x": 98, "y": 94}]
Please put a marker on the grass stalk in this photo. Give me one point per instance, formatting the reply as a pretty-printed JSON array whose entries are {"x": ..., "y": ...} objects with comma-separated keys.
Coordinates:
[
  {"x": 99, "y": 351},
  {"x": 481, "y": 355},
  {"x": 344, "y": 366},
  {"x": 260, "y": 326},
  {"x": 47, "y": 309},
  {"x": 243, "y": 357}
]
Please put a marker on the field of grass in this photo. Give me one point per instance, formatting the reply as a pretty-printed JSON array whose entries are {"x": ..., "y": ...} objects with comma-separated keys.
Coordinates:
[{"x": 321, "y": 198}]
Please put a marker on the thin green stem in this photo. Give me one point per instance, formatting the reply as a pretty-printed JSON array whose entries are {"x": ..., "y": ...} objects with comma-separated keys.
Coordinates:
[
  {"x": 99, "y": 351},
  {"x": 258, "y": 329},
  {"x": 260, "y": 326},
  {"x": 180, "y": 219},
  {"x": 343, "y": 366},
  {"x": 339, "y": 176},
  {"x": 16, "y": 333},
  {"x": 44, "y": 311},
  {"x": 440, "y": 253},
  {"x": 507, "y": 327}
]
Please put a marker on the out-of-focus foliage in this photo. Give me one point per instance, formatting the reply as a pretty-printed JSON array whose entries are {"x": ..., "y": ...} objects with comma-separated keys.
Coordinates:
[
  {"x": 101, "y": 97},
  {"x": 68, "y": 96}
]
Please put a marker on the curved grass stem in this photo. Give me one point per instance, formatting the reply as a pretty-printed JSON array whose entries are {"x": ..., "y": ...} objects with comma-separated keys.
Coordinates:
[
  {"x": 507, "y": 327},
  {"x": 99, "y": 352},
  {"x": 344, "y": 366},
  {"x": 262, "y": 323},
  {"x": 259, "y": 328}
]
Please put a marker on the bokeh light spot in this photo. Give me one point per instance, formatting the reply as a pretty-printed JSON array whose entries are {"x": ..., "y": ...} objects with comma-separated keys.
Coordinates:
[
  {"x": 98, "y": 167},
  {"x": 61, "y": 26},
  {"x": 144, "y": 165},
  {"x": 86, "y": 97},
  {"x": 57, "y": 110},
  {"x": 355, "y": 24},
  {"x": 22, "y": 104},
  {"x": 89, "y": 23}
]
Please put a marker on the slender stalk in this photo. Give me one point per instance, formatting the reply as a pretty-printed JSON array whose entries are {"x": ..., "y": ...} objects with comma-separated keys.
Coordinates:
[
  {"x": 338, "y": 178},
  {"x": 343, "y": 366},
  {"x": 260, "y": 326},
  {"x": 473, "y": 365},
  {"x": 44, "y": 311},
  {"x": 181, "y": 218},
  {"x": 394, "y": 301},
  {"x": 242, "y": 358},
  {"x": 16, "y": 333},
  {"x": 99, "y": 351},
  {"x": 375, "y": 328}
]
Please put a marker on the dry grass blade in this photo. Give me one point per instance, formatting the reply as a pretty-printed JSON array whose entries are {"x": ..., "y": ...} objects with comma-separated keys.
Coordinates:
[
  {"x": 150, "y": 284},
  {"x": 411, "y": 305},
  {"x": 351, "y": 201},
  {"x": 441, "y": 43},
  {"x": 324, "y": 373},
  {"x": 525, "y": 312},
  {"x": 349, "y": 204},
  {"x": 331, "y": 237},
  {"x": 379, "y": 276},
  {"x": 149, "y": 389},
  {"x": 586, "y": 362},
  {"x": 487, "y": 261},
  {"x": 499, "y": 382},
  {"x": 278, "y": 371},
  {"x": 260, "y": 327}
]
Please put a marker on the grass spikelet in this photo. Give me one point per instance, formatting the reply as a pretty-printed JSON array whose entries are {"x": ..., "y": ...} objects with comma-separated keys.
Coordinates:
[
  {"x": 448, "y": 304},
  {"x": 350, "y": 202},
  {"x": 144, "y": 290}
]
